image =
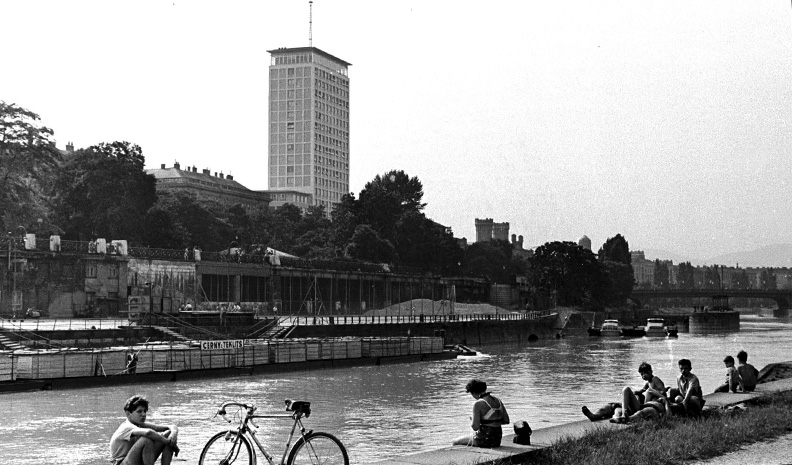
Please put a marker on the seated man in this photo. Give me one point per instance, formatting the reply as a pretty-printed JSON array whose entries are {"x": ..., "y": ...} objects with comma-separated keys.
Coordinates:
[
  {"x": 633, "y": 400},
  {"x": 687, "y": 397},
  {"x": 136, "y": 442}
]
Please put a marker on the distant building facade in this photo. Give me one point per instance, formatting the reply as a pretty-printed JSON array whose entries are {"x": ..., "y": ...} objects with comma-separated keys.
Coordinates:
[
  {"x": 309, "y": 125},
  {"x": 218, "y": 187},
  {"x": 487, "y": 230}
]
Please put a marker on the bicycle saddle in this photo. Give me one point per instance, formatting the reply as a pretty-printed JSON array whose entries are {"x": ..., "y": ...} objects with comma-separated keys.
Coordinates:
[{"x": 298, "y": 406}]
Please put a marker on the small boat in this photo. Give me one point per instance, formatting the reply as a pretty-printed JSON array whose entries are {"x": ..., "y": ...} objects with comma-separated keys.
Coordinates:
[
  {"x": 655, "y": 327},
  {"x": 461, "y": 350},
  {"x": 635, "y": 331},
  {"x": 609, "y": 328},
  {"x": 672, "y": 331}
]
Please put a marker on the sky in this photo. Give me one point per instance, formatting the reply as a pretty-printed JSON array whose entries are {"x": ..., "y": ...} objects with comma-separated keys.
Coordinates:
[{"x": 665, "y": 122}]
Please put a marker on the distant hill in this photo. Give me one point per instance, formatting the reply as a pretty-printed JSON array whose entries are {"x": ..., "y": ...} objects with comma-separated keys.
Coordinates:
[{"x": 776, "y": 256}]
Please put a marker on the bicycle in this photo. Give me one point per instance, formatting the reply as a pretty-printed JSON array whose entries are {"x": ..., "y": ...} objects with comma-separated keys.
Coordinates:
[{"x": 234, "y": 446}]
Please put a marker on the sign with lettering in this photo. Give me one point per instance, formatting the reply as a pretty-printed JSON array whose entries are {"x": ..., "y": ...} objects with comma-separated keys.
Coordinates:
[{"x": 220, "y": 345}]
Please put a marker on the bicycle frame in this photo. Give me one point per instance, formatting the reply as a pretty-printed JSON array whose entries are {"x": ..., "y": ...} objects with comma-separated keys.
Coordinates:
[{"x": 244, "y": 428}]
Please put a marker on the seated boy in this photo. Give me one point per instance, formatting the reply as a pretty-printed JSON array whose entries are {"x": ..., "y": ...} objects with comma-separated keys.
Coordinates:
[
  {"x": 688, "y": 398},
  {"x": 136, "y": 442},
  {"x": 733, "y": 379},
  {"x": 649, "y": 395},
  {"x": 748, "y": 373}
]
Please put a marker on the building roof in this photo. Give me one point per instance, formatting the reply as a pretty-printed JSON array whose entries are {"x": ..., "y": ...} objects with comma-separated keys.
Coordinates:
[
  {"x": 285, "y": 51},
  {"x": 172, "y": 173}
]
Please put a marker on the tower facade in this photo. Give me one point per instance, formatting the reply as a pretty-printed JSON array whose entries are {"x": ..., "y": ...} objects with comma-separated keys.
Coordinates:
[{"x": 309, "y": 125}]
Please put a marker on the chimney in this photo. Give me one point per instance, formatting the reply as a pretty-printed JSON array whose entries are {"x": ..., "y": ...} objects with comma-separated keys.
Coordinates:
[
  {"x": 215, "y": 173},
  {"x": 195, "y": 170},
  {"x": 162, "y": 166},
  {"x": 176, "y": 165},
  {"x": 206, "y": 171},
  {"x": 70, "y": 147},
  {"x": 221, "y": 175},
  {"x": 230, "y": 178}
]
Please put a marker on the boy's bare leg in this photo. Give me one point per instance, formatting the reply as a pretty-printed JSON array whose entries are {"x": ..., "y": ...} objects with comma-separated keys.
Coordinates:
[{"x": 604, "y": 412}]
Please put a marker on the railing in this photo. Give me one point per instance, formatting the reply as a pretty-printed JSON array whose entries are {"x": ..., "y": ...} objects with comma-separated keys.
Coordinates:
[
  {"x": 400, "y": 319},
  {"x": 46, "y": 324},
  {"x": 71, "y": 246}
]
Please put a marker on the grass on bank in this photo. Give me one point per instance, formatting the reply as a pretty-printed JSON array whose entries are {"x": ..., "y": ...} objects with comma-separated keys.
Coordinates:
[{"x": 674, "y": 440}]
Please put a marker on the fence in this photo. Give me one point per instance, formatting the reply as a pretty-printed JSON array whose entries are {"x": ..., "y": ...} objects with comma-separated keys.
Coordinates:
[
  {"x": 72, "y": 363},
  {"x": 62, "y": 324},
  {"x": 400, "y": 319}
]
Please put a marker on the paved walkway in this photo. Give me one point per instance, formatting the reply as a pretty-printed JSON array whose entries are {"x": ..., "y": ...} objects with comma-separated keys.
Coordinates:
[{"x": 545, "y": 437}]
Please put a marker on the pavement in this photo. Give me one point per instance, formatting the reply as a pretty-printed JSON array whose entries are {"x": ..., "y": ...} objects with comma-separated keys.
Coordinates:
[{"x": 774, "y": 452}]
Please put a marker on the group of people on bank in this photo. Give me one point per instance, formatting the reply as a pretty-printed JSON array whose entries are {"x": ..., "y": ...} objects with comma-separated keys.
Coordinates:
[
  {"x": 652, "y": 400},
  {"x": 138, "y": 442},
  {"x": 655, "y": 400}
]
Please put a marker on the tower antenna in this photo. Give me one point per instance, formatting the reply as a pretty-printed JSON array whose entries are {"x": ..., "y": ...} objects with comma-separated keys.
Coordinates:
[{"x": 310, "y": 23}]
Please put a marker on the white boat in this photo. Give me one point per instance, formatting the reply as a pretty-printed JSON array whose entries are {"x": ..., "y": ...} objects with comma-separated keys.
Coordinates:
[
  {"x": 609, "y": 328},
  {"x": 655, "y": 327}
]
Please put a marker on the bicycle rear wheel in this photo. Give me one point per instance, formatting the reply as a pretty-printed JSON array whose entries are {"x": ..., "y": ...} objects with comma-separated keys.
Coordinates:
[
  {"x": 226, "y": 448},
  {"x": 318, "y": 449}
]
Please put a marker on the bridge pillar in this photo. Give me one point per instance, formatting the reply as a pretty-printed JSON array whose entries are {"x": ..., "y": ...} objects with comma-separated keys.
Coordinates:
[{"x": 783, "y": 307}]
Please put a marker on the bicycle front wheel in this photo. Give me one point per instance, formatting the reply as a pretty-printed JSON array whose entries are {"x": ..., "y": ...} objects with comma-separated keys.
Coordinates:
[
  {"x": 318, "y": 449},
  {"x": 226, "y": 448}
]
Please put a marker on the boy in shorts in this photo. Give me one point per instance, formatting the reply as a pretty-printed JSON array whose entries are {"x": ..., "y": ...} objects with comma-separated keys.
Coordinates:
[{"x": 136, "y": 442}]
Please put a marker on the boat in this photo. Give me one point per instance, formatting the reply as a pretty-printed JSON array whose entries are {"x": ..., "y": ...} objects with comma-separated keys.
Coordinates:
[
  {"x": 634, "y": 331},
  {"x": 672, "y": 331},
  {"x": 655, "y": 327},
  {"x": 461, "y": 350},
  {"x": 609, "y": 328}
]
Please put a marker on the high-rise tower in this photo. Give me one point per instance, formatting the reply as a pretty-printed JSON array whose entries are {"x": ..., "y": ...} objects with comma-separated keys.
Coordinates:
[{"x": 309, "y": 125}]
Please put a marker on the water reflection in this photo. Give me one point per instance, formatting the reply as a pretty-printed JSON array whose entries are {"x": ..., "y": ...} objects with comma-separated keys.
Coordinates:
[{"x": 382, "y": 411}]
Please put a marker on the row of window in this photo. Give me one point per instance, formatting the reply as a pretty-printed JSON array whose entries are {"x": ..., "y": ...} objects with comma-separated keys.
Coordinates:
[
  {"x": 283, "y": 148},
  {"x": 331, "y": 130},
  {"x": 91, "y": 271},
  {"x": 292, "y": 59},
  {"x": 331, "y": 88},
  {"x": 331, "y": 110},
  {"x": 319, "y": 116},
  {"x": 320, "y": 73},
  {"x": 291, "y": 83},
  {"x": 331, "y": 98}
]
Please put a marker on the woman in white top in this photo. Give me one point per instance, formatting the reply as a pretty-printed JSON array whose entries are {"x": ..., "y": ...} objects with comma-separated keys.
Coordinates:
[{"x": 489, "y": 414}]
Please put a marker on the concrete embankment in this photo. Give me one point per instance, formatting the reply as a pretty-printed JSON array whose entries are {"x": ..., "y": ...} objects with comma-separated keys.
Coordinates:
[{"x": 545, "y": 437}]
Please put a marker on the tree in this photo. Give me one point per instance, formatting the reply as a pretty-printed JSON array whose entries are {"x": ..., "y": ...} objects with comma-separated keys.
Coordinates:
[
  {"x": 661, "y": 275},
  {"x": 686, "y": 277},
  {"x": 197, "y": 224},
  {"x": 387, "y": 198},
  {"x": 492, "y": 260},
  {"x": 768, "y": 279},
  {"x": 570, "y": 273},
  {"x": 617, "y": 264},
  {"x": 104, "y": 191},
  {"x": 616, "y": 249},
  {"x": 28, "y": 158},
  {"x": 424, "y": 244},
  {"x": 367, "y": 245}
]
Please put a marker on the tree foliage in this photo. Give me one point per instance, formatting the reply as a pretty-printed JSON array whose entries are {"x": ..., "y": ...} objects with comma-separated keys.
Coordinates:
[
  {"x": 104, "y": 191},
  {"x": 570, "y": 273},
  {"x": 28, "y": 158}
]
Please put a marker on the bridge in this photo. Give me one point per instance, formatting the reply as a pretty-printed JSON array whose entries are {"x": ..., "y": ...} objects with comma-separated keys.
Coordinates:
[{"x": 782, "y": 297}]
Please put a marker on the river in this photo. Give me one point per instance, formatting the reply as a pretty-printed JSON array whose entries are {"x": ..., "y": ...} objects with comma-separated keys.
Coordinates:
[{"x": 381, "y": 412}]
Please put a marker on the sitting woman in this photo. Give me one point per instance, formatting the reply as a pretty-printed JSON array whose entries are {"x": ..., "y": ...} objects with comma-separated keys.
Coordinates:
[{"x": 489, "y": 414}]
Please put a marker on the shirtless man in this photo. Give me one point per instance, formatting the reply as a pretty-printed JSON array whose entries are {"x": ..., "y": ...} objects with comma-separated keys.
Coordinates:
[{"x": 651, "y": 395}]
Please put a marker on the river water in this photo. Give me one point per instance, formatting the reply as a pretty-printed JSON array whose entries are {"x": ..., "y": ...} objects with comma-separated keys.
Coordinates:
[{"x": 382, "y": 412}]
